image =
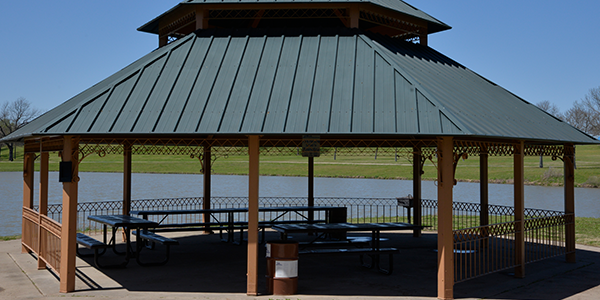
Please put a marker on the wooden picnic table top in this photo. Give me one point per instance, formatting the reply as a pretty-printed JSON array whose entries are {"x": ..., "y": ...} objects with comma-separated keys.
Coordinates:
[
  {"x": 232, "y": 210},
  {"x": 336, "y": 227},
  {"x": 123, "y": 221}
]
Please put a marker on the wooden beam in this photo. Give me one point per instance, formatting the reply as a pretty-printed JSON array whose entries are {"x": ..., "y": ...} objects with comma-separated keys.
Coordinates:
[
  {"x": 258, "y": 17},
  {"x": 69, "y": 218},
  {"x": 126, "y": 178},
  {"x": 445, "y": 237},
  {"x": 342, "y": 17},
  {"x": 417, "y": 167},
  {"x": 43, "y": 201},
  {"x": 28, "y": 189},
  {"x": 569, "y": 165},
  {"x": 253, "y": 187},
  {"x": 519, "y": 193}
]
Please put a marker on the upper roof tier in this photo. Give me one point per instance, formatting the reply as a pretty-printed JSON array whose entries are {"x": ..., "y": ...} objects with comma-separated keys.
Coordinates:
[{"x": 387, "y": 17}]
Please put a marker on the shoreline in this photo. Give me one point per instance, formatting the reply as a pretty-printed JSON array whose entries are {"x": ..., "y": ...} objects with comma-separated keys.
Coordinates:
[{"x": 492, "y": 181}]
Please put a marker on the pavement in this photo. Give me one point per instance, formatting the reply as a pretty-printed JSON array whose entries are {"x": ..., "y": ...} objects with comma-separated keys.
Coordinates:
[{"x": 203, "y": 267}]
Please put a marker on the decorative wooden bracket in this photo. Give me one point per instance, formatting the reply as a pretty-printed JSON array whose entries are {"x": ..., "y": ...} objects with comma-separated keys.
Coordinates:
[
  {"x": 457, "y": 157},
  {"x": 200, "y": 157}
]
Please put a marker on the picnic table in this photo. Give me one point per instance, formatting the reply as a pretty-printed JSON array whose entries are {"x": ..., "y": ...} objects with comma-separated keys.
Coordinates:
[
  {"x": 374, "y": 251},
  {"x": 126, "y": 222},
  {"x": 230, "y": 224}
]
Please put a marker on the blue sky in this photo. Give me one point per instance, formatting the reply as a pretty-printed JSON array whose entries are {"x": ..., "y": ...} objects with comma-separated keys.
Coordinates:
[{"x": 537, "y": 49}]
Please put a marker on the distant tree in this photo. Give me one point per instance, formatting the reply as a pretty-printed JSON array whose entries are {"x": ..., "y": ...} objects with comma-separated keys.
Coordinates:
[
  {"x": 585, "y": 115},
  {"x": 550, "y": 108},
  {"x": 14, "y": 115}
]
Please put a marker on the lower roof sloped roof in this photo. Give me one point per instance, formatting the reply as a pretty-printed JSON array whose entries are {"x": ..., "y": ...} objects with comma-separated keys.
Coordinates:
[{"x": 298, "y": 81}]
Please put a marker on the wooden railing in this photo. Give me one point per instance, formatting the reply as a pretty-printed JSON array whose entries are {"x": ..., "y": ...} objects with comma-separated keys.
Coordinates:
[{"x": 41, "y": 235}]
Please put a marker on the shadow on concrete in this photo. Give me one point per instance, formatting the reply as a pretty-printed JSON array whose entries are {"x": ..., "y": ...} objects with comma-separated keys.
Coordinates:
[{"x": 205, "y": 264}]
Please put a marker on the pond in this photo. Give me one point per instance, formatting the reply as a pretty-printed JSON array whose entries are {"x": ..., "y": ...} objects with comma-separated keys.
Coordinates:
[{"x": 108, "y": 186}]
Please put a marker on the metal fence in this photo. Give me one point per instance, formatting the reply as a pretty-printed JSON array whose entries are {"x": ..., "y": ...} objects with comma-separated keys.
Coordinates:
[
  {"x": 359, "y": 210},
  {"x": 486, "y": 249},
  {"x": 479, "y": 249}
]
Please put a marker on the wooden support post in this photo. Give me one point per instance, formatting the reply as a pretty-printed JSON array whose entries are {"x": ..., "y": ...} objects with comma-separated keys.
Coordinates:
[
  {"x": 311, "y": 187},
  {"x": 28, "y": 174},
  {"x": 69, "y": 218},
  {"x": 423, "y": 37},
  {"x": 519, "y": 188},
  {"x": 163, "y": 40},
  {"x": 445, "y": 236},
  {"x": 43, "y": 205},
  {"x": 126, "y": 178},
  {"x": 201, "y": 19},
  {"x": 484, "y": 215},
  {"x": 569, "y": 163},
  {"x": 484, "y": 218},
  {"x": 354, "y": 13},
  {"x": 206, "y": 167},
  {"x": 253, "y": 187},
  {"x": 417, "y": 167}
]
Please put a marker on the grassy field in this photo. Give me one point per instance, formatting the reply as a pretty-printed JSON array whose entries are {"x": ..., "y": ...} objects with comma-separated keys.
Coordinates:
[{"x": 500, "y": 169}]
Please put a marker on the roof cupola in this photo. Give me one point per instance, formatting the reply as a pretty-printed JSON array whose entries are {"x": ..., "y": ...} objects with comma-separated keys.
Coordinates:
[{"x": 393, "y": 18}]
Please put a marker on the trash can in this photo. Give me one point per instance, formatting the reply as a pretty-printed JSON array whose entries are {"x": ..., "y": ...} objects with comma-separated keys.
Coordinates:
[{"x": 282, "y": 267}]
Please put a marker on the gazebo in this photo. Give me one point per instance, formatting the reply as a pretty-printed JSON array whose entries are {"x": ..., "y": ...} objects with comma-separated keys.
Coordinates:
[{"x": 262, "y": 76}]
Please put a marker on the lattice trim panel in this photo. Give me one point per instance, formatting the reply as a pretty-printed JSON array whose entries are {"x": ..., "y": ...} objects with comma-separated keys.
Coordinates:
[
  {"x": 554, "y": 151},
  {"x": 228, "y": 14},
  {"x": 474, "y": 148},
  {"x": 275, "y": 147}
]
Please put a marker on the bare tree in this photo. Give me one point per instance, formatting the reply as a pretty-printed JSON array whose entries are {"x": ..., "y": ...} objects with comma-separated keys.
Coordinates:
[
  {"x": 550, "y": 108},
  {"x": 14, "y": 115},
  {"x": 585, "y": 115}
]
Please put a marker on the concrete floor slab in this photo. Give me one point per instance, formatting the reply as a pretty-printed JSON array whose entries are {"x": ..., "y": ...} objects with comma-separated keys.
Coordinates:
[{"x": 203, "y": 267}]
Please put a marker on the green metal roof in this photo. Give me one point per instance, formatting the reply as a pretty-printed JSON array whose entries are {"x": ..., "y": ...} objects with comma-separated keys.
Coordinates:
[
  {"x": 434, "y": 25},
  {"x": 321, "y": 81}
]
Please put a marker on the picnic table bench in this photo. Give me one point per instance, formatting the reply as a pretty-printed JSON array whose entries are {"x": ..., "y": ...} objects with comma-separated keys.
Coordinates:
[{"x": 154, "y": 238}]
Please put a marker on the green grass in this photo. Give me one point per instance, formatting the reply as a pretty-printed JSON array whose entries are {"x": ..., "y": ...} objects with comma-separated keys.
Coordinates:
[
  {"x": 500, "y": 168},
  {"x": 10, "y": 237},
  {"x": 587, "y": 231}
]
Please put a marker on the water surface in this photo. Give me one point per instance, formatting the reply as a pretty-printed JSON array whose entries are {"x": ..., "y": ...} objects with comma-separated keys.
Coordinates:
[{"x": 108, "y": 186}]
